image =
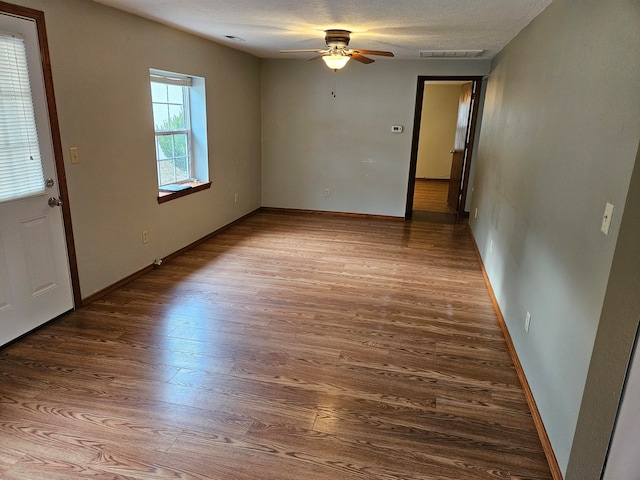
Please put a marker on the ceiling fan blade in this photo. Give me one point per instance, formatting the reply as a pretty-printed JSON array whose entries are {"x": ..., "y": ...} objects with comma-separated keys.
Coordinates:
[
  {"x": 359, "y": 58},
  {"x": 316, "y": 57},
  {"x": 373, "y": 52},
  {"x": 306, "y": 50}
]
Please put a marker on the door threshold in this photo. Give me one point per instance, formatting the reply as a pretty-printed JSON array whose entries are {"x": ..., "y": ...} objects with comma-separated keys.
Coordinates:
[{"x": 434, "y": 217}]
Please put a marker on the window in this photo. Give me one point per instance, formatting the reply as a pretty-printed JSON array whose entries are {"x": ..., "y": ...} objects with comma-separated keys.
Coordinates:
[
  {"x": 178, "y": 103},
  {"x": 21, "y": 172}
]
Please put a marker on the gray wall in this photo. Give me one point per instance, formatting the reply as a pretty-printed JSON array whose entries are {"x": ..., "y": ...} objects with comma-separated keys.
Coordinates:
[
  {"x": 314, "y": 141},
  {"x": 611, "y": 353},
  {"x": 100, "y": 59},
  {"x": 559, "y": 138}
]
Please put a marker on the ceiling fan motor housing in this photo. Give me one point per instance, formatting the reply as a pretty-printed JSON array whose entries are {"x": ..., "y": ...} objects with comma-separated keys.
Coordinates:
[{"x": 337, "y": 39}]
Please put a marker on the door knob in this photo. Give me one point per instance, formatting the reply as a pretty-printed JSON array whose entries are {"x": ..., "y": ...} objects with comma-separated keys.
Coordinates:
[{"x": 54, "y": 202}]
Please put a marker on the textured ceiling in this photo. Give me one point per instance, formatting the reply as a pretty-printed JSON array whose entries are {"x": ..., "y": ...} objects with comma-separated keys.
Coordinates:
[{"x": 404, "y": 27}]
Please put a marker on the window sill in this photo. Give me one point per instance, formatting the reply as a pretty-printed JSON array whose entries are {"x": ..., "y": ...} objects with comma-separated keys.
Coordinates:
[{"x": 195, "y": 187}]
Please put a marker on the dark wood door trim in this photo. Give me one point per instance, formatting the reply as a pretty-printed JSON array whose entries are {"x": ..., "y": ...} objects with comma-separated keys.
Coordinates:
[
  {"x": 38, "y": 17},
  {"x": 477, "y": 86}
]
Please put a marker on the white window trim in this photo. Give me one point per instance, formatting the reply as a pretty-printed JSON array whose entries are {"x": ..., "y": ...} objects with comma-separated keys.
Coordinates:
[{"x": 197, "y": 125}]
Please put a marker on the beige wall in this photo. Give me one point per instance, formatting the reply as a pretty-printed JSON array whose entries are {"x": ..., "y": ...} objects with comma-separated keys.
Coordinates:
[
  {"x": 559, "y": 137},
  {"x": 100, "y": 60},
  {"x": 437, "y": 130}
]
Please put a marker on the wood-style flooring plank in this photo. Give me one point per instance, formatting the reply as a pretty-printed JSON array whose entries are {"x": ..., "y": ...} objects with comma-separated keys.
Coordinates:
[
  {"x": 289, "y": 346},
  {"x": 431, "y": 195}
]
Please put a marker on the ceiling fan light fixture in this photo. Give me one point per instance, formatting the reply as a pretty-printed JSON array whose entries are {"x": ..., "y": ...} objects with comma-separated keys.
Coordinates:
[
  {"x": 338, "y": 53},
  {"x": 335, "y": 61}
]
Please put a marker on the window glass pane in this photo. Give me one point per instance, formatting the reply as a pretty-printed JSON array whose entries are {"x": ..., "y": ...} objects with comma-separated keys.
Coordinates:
[
  {"x": 176, "y": 94},
  {"x": 180, "y": 145},
  {"x": 166, "y": 172},
  {"x": 182, "y": 169},
  {"x": 158, "y": 92},
  {"x": 173, "y": 158},
  {"x": 21, "y": 172},
  {"x": 165, "y": 147},
  {"x": 160, "y": 151},
  {"x": 176, "y": 118},
  {"x": 160, "y": 116}
]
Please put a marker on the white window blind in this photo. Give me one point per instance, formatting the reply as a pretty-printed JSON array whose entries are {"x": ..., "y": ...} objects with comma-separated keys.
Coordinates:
[
  {"x": 21, "y": 173},
  {"x": 169, "y": 78}
]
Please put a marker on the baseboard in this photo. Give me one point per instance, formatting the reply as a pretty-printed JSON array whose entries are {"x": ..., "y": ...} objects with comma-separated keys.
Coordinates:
[
  {"x": 448, "y": 218},
  {"x": 114, "y": 286},
  {"x": 121, "y": 283},
  {"x": 535, "y": 413},
  {"x": 329, "y": 213},
  {"x": 425, "y": 179}
]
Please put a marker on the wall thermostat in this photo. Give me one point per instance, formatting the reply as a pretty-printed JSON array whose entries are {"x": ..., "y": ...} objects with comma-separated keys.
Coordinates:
[{"x": 397, "y": 129}]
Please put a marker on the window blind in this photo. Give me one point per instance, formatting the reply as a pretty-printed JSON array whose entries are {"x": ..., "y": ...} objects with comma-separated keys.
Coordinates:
[
  {"x": 21, "y": 173},
  {"x": 171, "y": 79}
]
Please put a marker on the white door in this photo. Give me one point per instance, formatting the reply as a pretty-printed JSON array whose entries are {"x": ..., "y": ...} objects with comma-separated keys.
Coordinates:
[{"x": 35, "y": 283}]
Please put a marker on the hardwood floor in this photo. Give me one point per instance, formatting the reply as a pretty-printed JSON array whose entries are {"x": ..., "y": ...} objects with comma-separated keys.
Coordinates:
[
  {"x": 291, "y": 346},
  {"x": 431, "y": 196}
]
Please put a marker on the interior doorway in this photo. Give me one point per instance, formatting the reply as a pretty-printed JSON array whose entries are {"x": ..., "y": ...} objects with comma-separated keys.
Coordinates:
[{"x": 446, "y": 114}]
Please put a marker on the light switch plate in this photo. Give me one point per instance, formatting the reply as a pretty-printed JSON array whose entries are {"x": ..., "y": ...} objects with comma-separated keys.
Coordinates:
[
  {"x": 75, "y": 155},
  {"x": 606, "y": 218}
]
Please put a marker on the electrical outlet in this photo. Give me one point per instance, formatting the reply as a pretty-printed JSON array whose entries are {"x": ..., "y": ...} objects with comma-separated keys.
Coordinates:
[
  {"x": 527, "y": 322},
  {"x": 235, "y": 198},
  {"x": 145, "y": 236},
  {"x": 327, "y": 192},
  {"x": 475, "y": 213}
]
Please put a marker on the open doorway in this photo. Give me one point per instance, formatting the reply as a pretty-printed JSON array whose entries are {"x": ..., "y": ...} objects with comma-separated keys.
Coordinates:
[{"x": 445, "y": 121}]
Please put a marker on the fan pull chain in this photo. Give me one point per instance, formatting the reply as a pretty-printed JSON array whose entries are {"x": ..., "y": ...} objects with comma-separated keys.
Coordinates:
[{"x": 334, "y": 92}]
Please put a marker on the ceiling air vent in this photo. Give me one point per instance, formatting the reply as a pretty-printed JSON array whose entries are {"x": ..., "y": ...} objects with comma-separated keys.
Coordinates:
[{"x": 451, "y": 53}]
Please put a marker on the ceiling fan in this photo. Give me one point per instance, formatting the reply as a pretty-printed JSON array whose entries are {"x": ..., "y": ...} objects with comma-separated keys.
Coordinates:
[{"x": 337, "y": 53}]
